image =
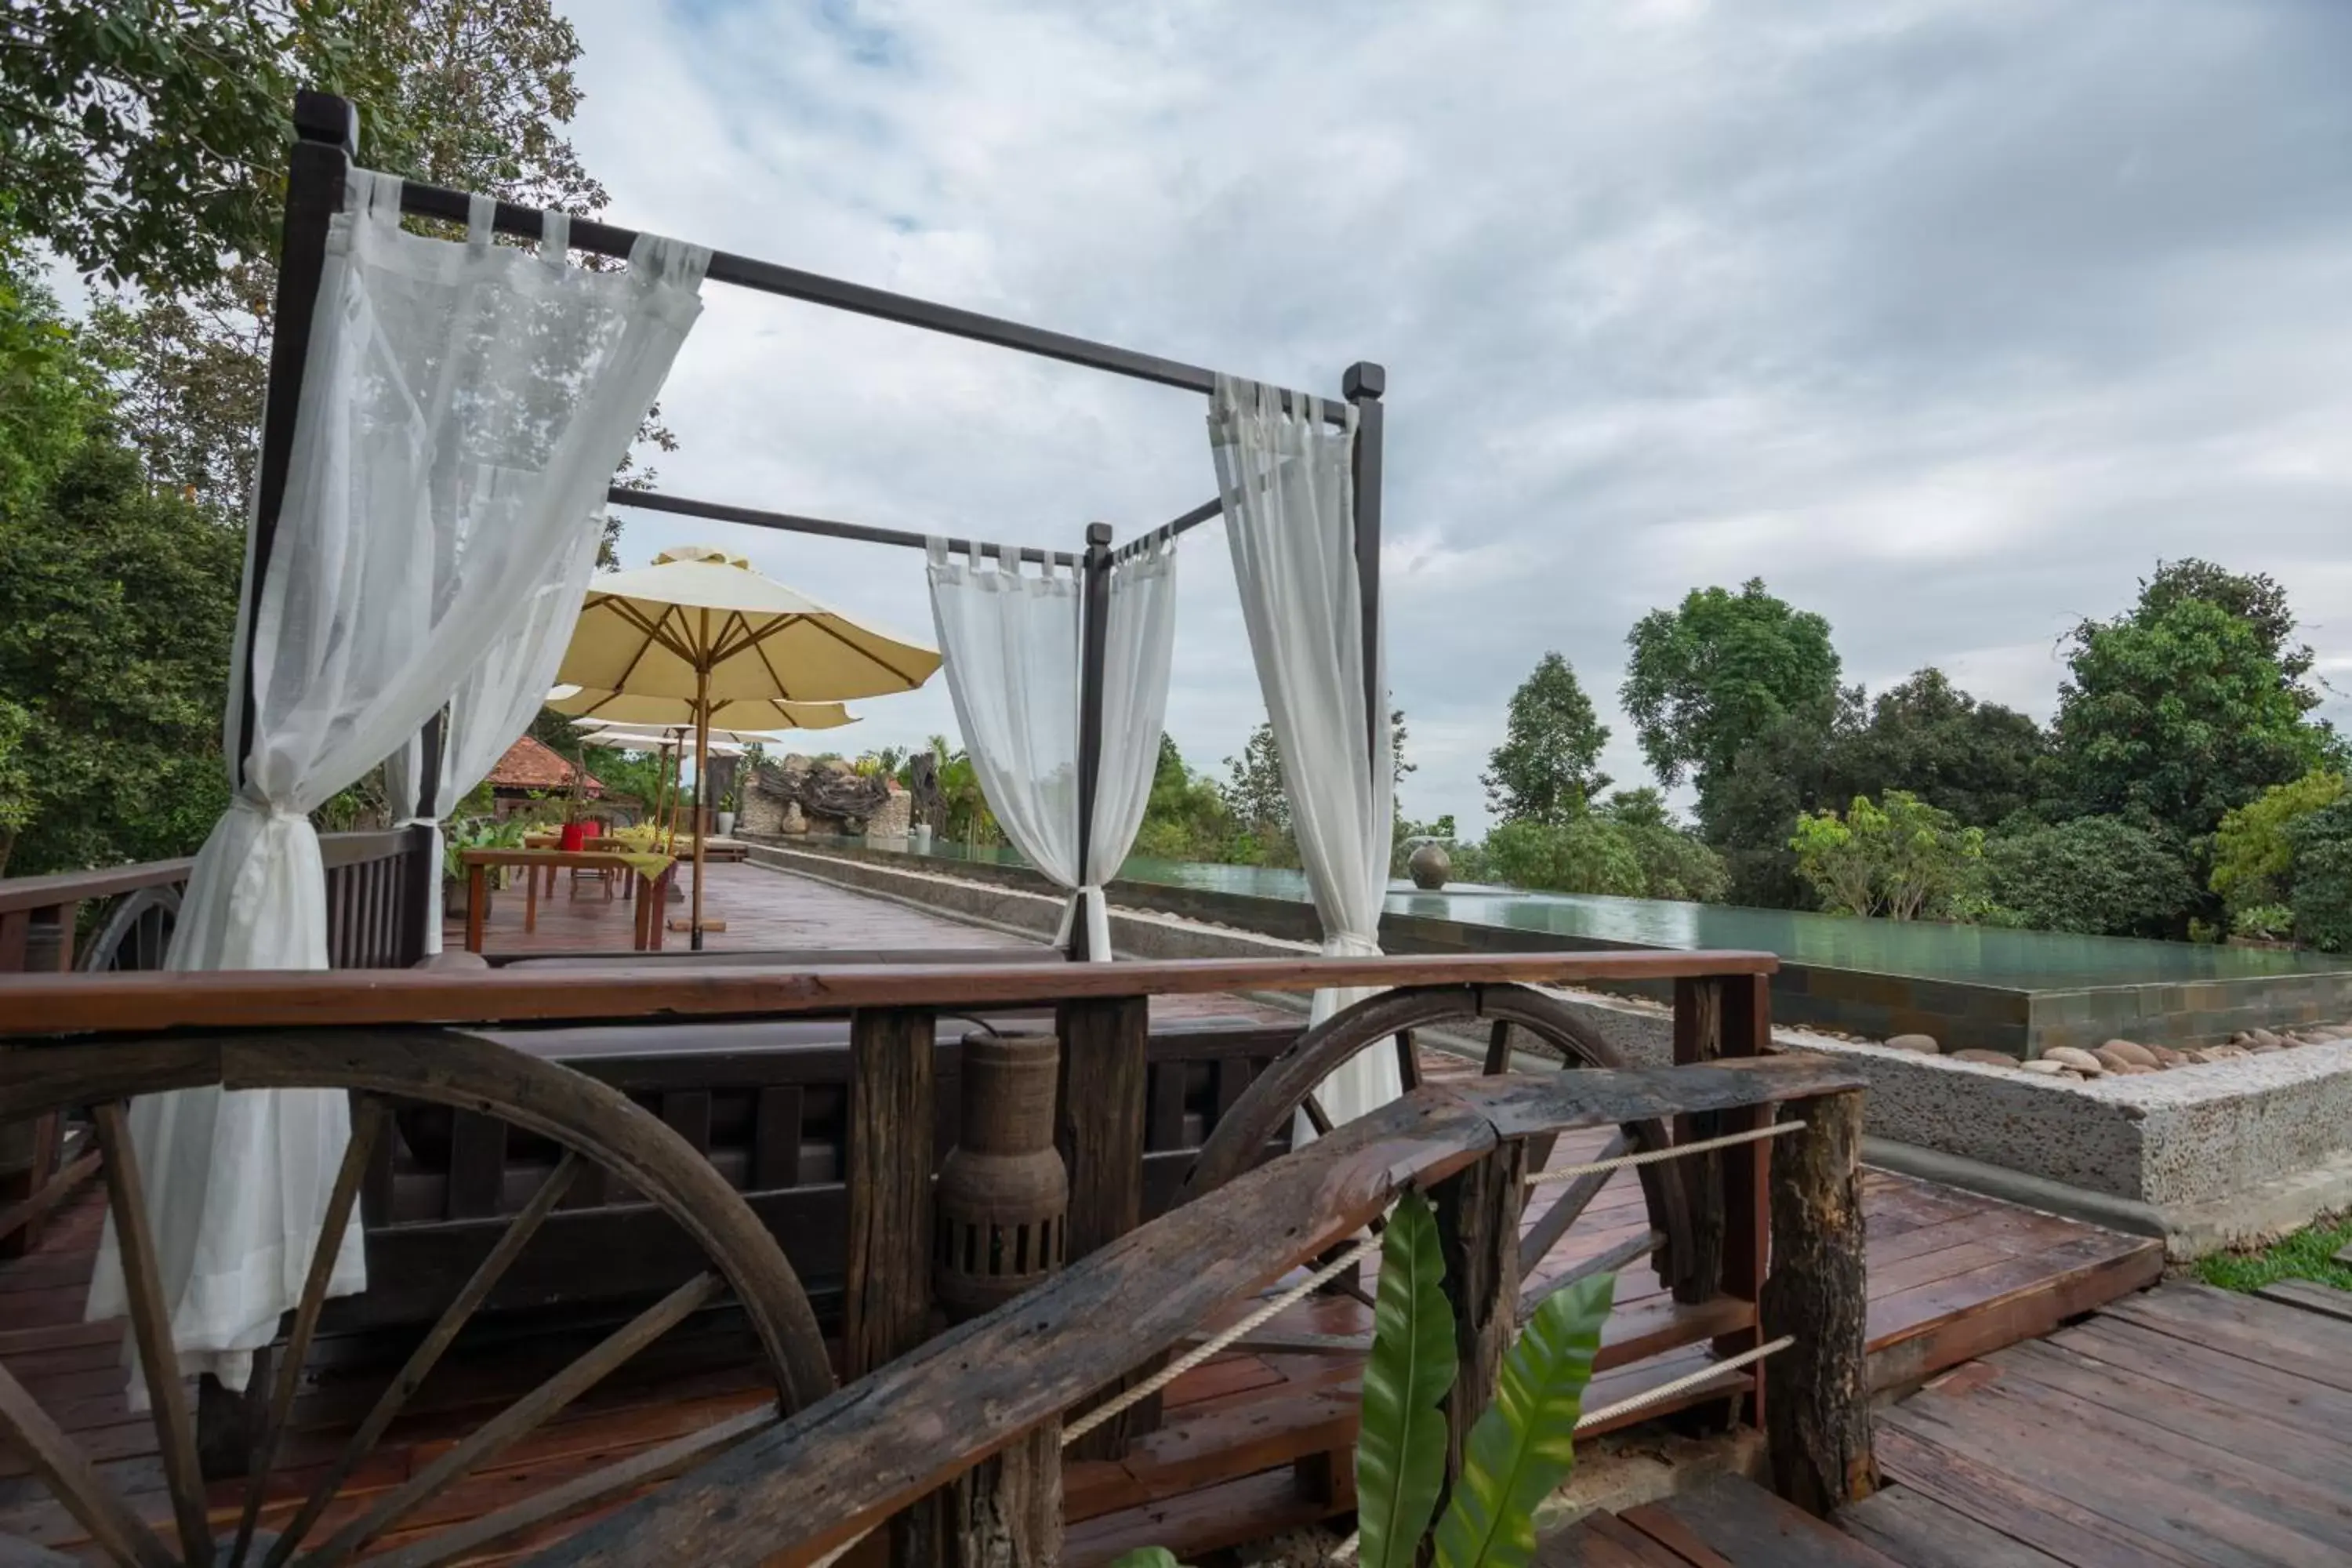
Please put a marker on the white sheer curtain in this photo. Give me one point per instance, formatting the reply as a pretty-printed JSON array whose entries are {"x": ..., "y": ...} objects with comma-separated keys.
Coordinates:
[
  {"x": 1009, "y": 644},
  {"x": 496, "y": 702},
  {"x": 1286, "y": 476},
  {"x": 1138, "y": 644},
  {"x": 463, "y": 406}
]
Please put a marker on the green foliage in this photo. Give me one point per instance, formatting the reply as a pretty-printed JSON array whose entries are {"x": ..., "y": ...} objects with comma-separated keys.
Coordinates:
[
  {"x": 1707, "y": 678},
  {"x": 1252, "y": 790},
  {"x": 2262, "y": 923},
  {"x": 1546, "y": 769},
  {"x": 968, "y": 820},
  {"x": 2308, "y": 1254},
  {"x": 144, "y": 138},
  {"x": 638, "y": 774},
  {"x": 2183, "y": 709},
  {"x": 2106, "y": 875},
  {"x": 1401, "y": 1445},
  {"x": 1903, "y": 859},
  {"x": 16, "y": 778},
  {"x": 463, "y": 833},
  {"x": 116, "y": 606},
  {"x": 1186, "y": 816},
  {"x": 1589, "y": 855},
  {"x": 1752, "y": 811},
  {"x": 1146, "y": 1557},
  {"x": 1979, "y": 762},
  {"x": 2252, "y": 855},
  {"x": 1523, "y": 1443},
  {"x": 1674, "y": 864},
  {"x": 2321, "y": 846}
]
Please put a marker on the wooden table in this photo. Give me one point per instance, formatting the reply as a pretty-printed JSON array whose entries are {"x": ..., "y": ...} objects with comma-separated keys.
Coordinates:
[{"x": 650, "y": 891}]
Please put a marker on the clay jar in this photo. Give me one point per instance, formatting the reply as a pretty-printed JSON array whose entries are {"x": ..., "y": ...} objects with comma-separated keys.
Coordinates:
[{"x": 1002, "y": 1194}]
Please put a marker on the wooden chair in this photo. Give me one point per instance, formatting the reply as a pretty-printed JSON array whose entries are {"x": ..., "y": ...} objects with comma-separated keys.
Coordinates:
[{"x": 594, "y": 828}]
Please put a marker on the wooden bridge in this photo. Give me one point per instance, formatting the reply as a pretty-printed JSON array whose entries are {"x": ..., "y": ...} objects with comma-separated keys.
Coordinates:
[{"x": 805, "y": 1089}]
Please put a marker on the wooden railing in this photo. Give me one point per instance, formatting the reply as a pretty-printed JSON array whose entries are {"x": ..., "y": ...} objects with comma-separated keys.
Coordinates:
[
  {"x": 980, "y": 1410},
  {"x": 377, "y": 885},
  {"x": 1124, "y": 1110},
  {"x": 376, "y": 909}
]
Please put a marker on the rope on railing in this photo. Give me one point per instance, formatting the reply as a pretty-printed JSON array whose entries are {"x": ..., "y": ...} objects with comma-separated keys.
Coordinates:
[
  {"x": 1210, "y": 1347},
  {"x": 1650, "y": 1156}
]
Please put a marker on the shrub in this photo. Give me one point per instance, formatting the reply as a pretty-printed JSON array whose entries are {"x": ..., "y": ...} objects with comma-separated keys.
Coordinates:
[
  {"x": 1904, "y": 859},
  {"x": 2104, "y": 876},
  {"x": 2321, "y": 846},
  {"x": 1589, "y": 855},
  {"x": 2252, "y": 853}
]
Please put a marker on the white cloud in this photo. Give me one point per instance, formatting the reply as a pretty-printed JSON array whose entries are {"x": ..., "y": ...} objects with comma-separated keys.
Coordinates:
[{"x": 1946, "y": 318}]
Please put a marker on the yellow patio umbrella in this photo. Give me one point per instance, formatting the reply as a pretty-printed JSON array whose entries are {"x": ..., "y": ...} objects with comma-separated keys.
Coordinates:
[{"x": 699, "y": 625}]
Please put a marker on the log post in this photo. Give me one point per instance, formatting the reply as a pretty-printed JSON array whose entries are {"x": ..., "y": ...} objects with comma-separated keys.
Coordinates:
[
  {"x": 1006, "y": 1510},
  {"x": 1478, "y": 1233},
  {"x": 1817, "y": 1413},
  {"x": 1099, "y": 1127}
]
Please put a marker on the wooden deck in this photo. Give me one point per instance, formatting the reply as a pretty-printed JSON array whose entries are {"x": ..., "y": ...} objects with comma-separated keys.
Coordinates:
[
  {"x": 1247, "y": 1446},
  {"x": 2185, "y": 1426}
]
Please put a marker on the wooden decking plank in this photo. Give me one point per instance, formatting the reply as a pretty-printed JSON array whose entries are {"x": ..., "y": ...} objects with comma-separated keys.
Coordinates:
[
  {"x": 1637, "y": 1549},
  {"x": 2003, "y": 1502},
  {"x": 2248, "y": 1432},
  {"x": 1747, "y": 1527},
  {"x": 2310, "y": 1296},
  {"x": 1249, "y": 1508},
  {"x": 2284, "y": 1339},
  {"x": 2098, "y": 1435},
  {"x": 1917, "y": 1532},
  {"x": 2168, "y": 1507},
  {"x": 2322, "y": 1413},
  {"x": 1919, "y": 1332}
]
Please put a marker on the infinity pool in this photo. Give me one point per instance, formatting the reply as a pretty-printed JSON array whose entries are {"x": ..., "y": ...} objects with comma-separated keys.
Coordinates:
[{"x": 2015, "y": 959}]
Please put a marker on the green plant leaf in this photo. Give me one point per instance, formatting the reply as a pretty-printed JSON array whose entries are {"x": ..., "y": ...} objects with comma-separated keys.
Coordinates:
[
  {"x": 1401, "y": 1441},
  {"x": 1524, "y": 1443},
  {"x": 1146, "y": 1557}
]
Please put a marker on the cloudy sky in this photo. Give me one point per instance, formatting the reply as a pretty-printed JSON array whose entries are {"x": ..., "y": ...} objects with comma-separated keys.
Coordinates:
[{"x": 1946, "y": 318}]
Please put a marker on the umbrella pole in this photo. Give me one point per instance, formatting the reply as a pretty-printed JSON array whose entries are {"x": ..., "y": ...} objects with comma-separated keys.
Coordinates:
[{"x": 701, "y": 787}]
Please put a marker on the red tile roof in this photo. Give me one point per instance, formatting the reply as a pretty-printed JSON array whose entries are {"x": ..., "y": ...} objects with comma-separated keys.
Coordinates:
[{"x": 529, "y": 764}]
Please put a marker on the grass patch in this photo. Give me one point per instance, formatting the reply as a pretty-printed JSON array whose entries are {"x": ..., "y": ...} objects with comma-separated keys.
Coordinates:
[{"x": 2306, "y": 1254}]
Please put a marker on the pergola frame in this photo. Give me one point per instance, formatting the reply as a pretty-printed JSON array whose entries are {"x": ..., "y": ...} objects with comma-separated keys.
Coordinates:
[{"x": 327, "y": 142}]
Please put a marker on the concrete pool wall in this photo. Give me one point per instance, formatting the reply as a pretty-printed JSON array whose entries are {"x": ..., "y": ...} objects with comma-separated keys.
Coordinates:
[{"x": 2016, "y": 992}]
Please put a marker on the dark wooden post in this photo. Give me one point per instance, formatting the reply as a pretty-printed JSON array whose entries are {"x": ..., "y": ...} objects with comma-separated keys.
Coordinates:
[
  {"x": 887, "y": 1305},
  {"x": 327, "y": 133},
  {"x": 1363, "y": 385},
  {"x": 424, "y": 865},
  {"x": 1478, "y": 1231},
  {"x": 1817, "y": 1420},
  {"x": 1100, "y": 1128},
  {"x": 1093, "y": 652},
  {"x": 886, "y": 1309},
  {"x": 1698, "y": 1038},
  {"x": 1746, "y": 1172}
]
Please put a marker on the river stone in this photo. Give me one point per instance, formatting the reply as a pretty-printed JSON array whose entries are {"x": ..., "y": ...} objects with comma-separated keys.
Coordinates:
[
  {"x": 2043, "y": 1066},
  {"x": 2260, "y": 1038},
  {"x": 1986, "y": 1058},
  {"x": 1923, "y": 1044},
  {"x": 2225, "y": 1053},
  {"x": 2082, "y": 1061},
  {"x": 2138, "y": 1055}
]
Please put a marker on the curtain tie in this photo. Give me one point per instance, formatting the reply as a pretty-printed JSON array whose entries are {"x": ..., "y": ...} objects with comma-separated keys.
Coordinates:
[
  {"x": 272, "y": 810},
  {"x": 1351, "y": 944}
]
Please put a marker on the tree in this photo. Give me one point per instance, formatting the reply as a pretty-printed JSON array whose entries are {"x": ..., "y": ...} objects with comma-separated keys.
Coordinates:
[
  {"x": 1186, "y": 817},
  {"x": 143, "y": 138},
  {"x": 2105, "y": 876},
  {"x": 2254, "y": 854},
  {"x": 1902, "y": 858},
  {"x": 2321, "y": 844},
  {"x": 1254, "y": 791},
  {"x": 1708, "y": 679},
  {"x": 1545, "y": 769},
  {"x": 2183, "y": 709},
  {"x": 1979, "y": 761},
  {"x": 465, "y": 93},
  {"x": 1752, "y": 810},
  {"x": 116, "y": 606}
]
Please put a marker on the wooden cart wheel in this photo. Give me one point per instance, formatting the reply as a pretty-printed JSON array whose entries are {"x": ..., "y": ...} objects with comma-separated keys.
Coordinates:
[
  {"x": 247, "y": 1520},
  {"x": 1287, "y": 1087}
]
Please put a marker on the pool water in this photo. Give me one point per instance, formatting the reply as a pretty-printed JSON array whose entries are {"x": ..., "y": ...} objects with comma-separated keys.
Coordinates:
[{"x": 1986, "y": 955}]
